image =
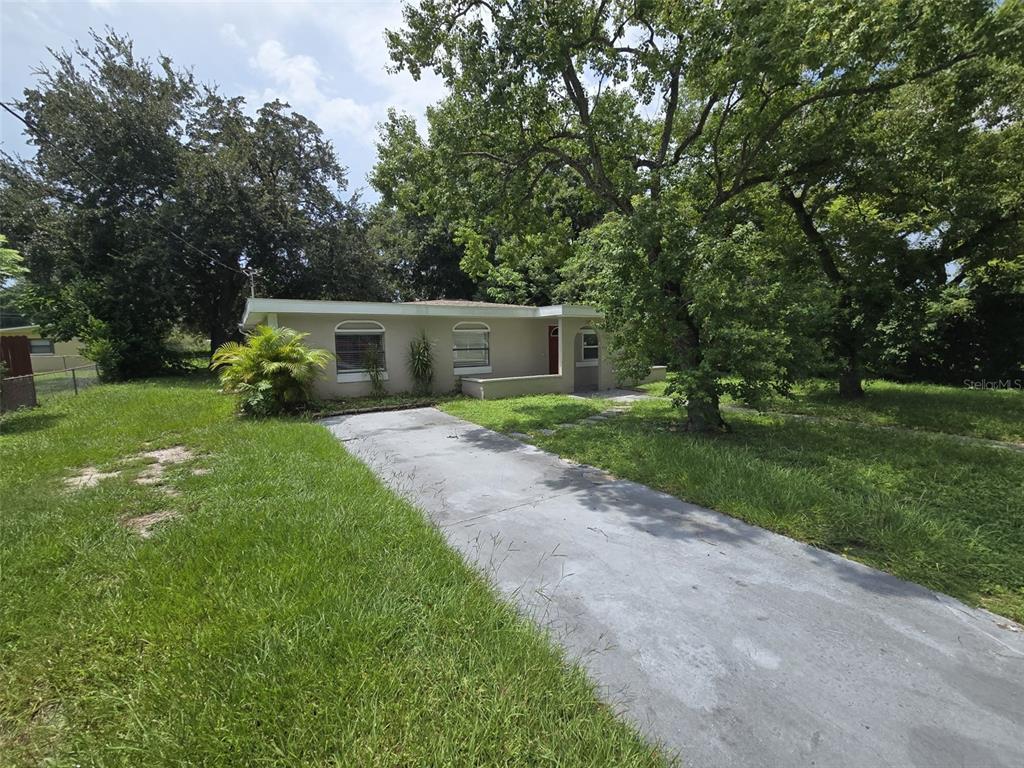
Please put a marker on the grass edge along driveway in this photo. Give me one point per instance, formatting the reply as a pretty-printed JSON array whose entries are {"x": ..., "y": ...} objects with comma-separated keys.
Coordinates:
[
  {"x": 921, "y": 506},
  {"x": 295, "y": 613}
]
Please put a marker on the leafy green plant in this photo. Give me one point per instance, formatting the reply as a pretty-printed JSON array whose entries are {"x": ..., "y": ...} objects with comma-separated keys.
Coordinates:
[
  {"x": 421, "y": 363},
  {"x": 374, "y": 362},
  {"x": 271, "y": 372}
]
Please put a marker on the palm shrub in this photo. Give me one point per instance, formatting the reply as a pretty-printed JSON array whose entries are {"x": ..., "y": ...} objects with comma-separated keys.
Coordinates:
[
  {"x": 421, "y": 363},
  {"x": 271, "y": 372}
]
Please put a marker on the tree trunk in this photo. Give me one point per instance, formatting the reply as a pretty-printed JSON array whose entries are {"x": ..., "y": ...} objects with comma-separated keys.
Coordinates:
[
  {"x": 224, "y": 326},
  {"x": 851, "y": 383},
  {"x": 848, "y": 342},
  {"x": 845, "y": 336},
  {"x": 704, "y": 415}
]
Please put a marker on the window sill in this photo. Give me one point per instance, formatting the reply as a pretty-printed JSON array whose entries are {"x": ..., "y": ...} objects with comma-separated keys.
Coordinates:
[
  {"x": 471, "y": 370},
  {"x": 587, "y": 363},
  {"x": 355, "y": 376}
]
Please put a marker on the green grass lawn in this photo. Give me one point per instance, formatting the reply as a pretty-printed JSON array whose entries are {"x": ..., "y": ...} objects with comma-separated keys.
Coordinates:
[
  {"x": 296, "y": 613},
  {"x": 525, "y": 414},
  {"x": 996, "y": 414},
  {"x": 927, "y": 508}
]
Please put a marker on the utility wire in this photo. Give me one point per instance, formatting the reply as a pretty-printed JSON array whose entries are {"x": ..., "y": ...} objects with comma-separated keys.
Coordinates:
[{"x": 29, "y": 124}]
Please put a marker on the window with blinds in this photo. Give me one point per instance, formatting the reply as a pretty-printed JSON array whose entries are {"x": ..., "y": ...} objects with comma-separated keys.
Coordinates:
[
  {"x": 355, "y": 342},
  {"x": 471, "y": 345}
]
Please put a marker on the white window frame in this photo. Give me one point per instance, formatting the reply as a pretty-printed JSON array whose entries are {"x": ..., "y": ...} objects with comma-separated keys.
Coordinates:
[
  {"x": 363, "y": 330},
  {"x": 583, "y": 361},
  {"x": 52, "y": 350},
  {"x": 476, "y": 327}
]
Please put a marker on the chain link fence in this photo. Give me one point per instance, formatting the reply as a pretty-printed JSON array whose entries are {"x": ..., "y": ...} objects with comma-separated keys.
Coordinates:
[{"x": 38, "y": 388}]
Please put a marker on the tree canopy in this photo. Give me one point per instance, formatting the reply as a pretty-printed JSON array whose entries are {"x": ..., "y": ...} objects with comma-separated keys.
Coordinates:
[
  {"x": 688, "y": 124},
  {"x": 153, "y": 203}
]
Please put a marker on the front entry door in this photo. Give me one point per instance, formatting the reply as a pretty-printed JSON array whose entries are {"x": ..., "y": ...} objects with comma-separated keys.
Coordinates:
[{"x": 553, "y": 349}]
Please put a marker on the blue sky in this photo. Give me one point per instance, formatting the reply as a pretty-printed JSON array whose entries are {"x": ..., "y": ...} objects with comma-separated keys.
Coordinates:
[{"x": 327, "y": 59}]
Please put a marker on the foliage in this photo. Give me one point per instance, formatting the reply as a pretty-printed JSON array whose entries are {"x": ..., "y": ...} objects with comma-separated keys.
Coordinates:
[
  {"x": 421, "y": 363},
  {"x": 84, "y": 211},
  {"x": 925, "y": 192},
  {"x": 291, "y": 576},
  {"x": 151, "y": 199},
  {"x": 11, "y": 264},
  {"x": 667, "y": 115},
  {"x": 416, "y": 243},
  {"x": 261, "y": 194},
  {"x": 420, "y": 255},
  {"x": 519, "y": 238},
  {"x": 373, "y": 361},
  {"x": 271, "y": 372}
]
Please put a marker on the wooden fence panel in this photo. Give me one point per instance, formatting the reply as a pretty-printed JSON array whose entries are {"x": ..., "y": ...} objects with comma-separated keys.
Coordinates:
[{"x": 16, "y": 353}]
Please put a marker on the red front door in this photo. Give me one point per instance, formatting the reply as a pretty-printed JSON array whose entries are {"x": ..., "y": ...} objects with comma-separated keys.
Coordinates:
[{"x": 552, "y": 349}]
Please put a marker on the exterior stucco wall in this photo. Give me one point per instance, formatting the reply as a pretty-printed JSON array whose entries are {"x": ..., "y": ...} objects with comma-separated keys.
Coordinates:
[
  {"x": 657, "y": 374},
  {"x": 66, "y": 354},
  {"x": 62, "y": 359},
  {"x": 518, "y": 347},
  {"x": 495, "y": 389},
  {"x": 572, "y": 346}
]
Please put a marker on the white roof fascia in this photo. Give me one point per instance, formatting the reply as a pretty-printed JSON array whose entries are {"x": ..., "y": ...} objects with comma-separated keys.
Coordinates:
[{"x": 256, "y": 309}]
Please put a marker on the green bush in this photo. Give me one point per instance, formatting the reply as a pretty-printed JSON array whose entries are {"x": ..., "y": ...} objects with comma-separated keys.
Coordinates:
[
  {"x": 421, "y": 364},
  {"x": 123, "y": 351},
  {"x": 373, "y": 360},
  {"x": 271, "y": 372}
]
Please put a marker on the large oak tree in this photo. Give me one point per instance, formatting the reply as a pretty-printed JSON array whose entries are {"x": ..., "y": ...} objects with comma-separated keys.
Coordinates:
[{"x": 671, "y": 113}]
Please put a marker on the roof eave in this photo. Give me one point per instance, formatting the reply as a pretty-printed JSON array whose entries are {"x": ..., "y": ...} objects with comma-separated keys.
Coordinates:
[{"x": 259, "y": 308}]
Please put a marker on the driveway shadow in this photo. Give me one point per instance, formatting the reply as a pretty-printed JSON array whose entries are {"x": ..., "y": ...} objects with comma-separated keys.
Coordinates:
[{"x": 664, "y": 516}]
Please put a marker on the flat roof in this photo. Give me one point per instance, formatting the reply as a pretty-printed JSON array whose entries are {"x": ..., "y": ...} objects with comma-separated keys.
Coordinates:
[{"x": 256, "y": 310}]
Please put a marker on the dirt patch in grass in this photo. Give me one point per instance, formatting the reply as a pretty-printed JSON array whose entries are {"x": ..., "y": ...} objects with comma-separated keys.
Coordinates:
[
  {"x": 161, "y": 459},
  {"x": 176, "y": 454},
  {"x": 88, "y": 477},
  {"x": 152, "y": 474},
  {"x": 142, "y": 525}
]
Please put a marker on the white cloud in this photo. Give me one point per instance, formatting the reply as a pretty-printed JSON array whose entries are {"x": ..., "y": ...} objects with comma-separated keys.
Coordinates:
[
  {"x": 360, "y": 28},
  {"x": 358, "y": 31},
  {"x": 229, "y": 34},
  {"x": 298, "y": 81}
]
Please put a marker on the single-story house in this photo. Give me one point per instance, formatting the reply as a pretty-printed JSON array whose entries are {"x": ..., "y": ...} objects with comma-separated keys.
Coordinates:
[
  {"x": 485, "y": 350},
  {"x": 47, "y": 354}
]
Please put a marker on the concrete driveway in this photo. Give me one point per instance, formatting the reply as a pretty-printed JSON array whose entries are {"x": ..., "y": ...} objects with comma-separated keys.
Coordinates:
[{"x": 732, "y": 645}]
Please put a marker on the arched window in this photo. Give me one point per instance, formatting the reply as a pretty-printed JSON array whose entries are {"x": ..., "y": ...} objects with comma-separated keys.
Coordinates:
[
  {"x": 471, "y": 348},
  {"x": 356, "y": 344},
  {"x": 590, "y": 349}
]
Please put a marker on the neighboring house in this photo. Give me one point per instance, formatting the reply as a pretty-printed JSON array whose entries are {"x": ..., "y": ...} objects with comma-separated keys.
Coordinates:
[
  {"x": 486, "y": 350},
  {"x": 48, "y": 355}
]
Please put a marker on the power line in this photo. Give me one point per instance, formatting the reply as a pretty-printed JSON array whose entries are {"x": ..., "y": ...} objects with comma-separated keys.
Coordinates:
[{"x": 248, "y": 273}]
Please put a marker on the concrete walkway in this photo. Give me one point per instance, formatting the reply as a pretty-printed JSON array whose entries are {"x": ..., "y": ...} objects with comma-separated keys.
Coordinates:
[{"x": 732, "y": 645}]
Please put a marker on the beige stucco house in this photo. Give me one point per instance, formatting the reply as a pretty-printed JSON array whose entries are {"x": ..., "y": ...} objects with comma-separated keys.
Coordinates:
[
  {"x": 485, "y": 350},
  {"x": 49, "y": 355}
]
